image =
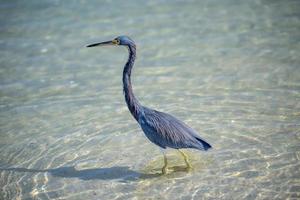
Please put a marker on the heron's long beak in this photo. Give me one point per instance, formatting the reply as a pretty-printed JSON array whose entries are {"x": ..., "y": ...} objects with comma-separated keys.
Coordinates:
[{"x": 101, "y": 44}]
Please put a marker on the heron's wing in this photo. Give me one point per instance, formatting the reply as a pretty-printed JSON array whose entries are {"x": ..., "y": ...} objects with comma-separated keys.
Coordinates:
[{"x": 167, "y": 131}]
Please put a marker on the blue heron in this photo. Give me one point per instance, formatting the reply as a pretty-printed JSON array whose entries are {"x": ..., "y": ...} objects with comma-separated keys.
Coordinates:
[{"x": 160, "y": 128}]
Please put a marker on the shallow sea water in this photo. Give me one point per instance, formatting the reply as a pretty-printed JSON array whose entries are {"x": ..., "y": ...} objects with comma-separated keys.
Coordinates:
[{"x": 229, "y": 69}]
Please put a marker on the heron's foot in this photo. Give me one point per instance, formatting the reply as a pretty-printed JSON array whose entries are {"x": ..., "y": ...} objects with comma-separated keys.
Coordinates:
[
  {"x": 164, "y": 170},
  {"x": 188, "y": 167}
]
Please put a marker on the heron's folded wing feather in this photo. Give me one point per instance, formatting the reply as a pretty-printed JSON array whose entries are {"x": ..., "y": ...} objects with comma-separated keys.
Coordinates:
[{"x": 172, "y": 132}]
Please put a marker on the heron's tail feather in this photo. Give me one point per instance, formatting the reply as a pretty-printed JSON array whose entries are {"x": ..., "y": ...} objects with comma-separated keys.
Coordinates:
[{"x": 204, "y": 144}]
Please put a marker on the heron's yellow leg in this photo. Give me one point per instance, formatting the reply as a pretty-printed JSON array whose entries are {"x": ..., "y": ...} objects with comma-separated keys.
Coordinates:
[
  {"x": 165, "y": 169},
  {"x": 186, "y": 160}
]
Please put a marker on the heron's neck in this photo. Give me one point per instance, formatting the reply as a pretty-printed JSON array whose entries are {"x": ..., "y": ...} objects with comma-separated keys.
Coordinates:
[{"x": 132, "y": 103}]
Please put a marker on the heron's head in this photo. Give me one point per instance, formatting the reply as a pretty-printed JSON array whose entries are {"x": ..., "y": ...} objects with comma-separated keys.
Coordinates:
[{"x": 121, "y": 40}]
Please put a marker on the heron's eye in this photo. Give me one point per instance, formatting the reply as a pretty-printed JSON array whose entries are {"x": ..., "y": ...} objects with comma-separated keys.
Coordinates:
[{"x": 116, "y": 41}]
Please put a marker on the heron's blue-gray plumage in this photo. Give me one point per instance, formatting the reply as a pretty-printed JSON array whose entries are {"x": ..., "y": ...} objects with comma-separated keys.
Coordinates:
[
  {"x": 131, "y": 101},
  {"x": 165, "y": 130}
]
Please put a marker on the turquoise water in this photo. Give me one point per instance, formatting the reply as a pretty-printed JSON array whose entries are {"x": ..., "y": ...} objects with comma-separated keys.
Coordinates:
[{"x": 230, "y": 69}]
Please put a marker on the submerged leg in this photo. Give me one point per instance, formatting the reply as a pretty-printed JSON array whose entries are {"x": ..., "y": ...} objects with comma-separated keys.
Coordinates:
[
  {"x": 164, "y": 168},
  {"x": 186, "y": 160}
]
